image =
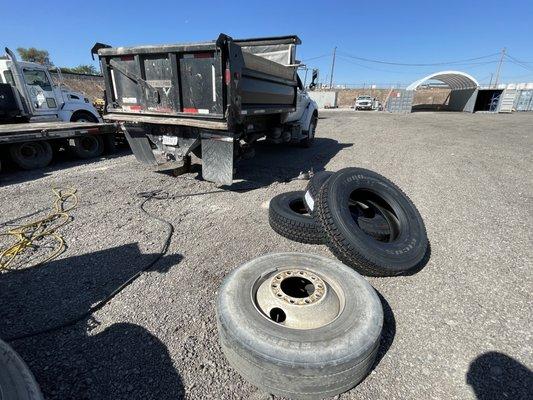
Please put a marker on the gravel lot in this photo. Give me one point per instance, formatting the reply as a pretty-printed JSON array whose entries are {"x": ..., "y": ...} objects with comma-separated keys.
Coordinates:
[{"x": 458, "y": 329}]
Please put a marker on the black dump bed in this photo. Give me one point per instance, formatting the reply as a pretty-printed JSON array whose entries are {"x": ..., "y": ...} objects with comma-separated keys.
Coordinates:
[{"x": 223, "y": 81}]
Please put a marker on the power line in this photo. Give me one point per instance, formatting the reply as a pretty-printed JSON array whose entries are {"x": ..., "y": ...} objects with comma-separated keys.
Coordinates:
[
  {"x": 317, "y": 57},
  {"x": 515, "y": 61},
  {"x": 418, "y": 64}
]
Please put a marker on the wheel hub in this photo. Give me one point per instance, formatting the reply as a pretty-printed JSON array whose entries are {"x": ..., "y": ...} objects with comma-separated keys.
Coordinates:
[{"x": 297, "y": 298}]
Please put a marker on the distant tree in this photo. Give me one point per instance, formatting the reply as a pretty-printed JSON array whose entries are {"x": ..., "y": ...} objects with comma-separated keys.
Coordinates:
[
  {"x": 81, "y": 69},
  {"x": 34, "y": 55}
]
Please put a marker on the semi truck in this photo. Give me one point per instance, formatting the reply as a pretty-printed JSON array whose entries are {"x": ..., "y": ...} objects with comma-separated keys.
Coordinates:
[
  {"x": 37, "y": 115},
  {"x": 211, "y": 99}
]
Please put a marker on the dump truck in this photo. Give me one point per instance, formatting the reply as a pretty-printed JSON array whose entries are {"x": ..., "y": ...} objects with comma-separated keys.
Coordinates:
[{"x": 211, "y": 99}]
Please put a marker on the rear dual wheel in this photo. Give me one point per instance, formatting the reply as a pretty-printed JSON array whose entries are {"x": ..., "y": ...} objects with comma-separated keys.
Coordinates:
[
  {"x": 87, "y": 146},
  {"x": 31, "y": 155}
]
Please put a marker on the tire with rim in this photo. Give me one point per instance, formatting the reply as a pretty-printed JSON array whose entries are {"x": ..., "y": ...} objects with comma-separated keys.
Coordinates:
[
  {"x": 309, "y": 140},
  {"x": 31, "y": 155},
  {"x": 87, "y": 146},
  {"x": 16, "y": 380},
  {"x": 289, "y": 218},
  {"x": 403, "y": 250},
  {"x": 299, "y": 325}
]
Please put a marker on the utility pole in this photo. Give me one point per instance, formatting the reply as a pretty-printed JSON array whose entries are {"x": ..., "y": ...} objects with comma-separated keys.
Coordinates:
[
  {"x": 498, "y": 70},
  {"x": 332, "y": 68}
]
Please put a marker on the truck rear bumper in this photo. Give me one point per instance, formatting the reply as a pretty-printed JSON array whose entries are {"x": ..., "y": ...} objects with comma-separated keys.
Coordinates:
[{"x": 163, "y": 120}]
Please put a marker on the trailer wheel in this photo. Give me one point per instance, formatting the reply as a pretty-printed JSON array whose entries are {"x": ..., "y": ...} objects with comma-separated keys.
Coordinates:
[
  {"x": 87, "y": 146},
  {"x": 309, "y": 140},
  {"x": 406, "y": 246},
  {"x": 289, "y": 218},
  {"x": 31, "y": 155},
  {"x": 16, "y": 380},
  {"x": 299, "y": 325}
]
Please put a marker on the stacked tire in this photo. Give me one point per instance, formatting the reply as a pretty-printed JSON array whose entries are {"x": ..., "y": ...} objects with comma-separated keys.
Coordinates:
[{"x": 367, "y": 221}]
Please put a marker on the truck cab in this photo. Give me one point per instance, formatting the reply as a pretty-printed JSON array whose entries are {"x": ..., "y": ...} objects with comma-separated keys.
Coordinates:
[{"x": 39, "y": 98}]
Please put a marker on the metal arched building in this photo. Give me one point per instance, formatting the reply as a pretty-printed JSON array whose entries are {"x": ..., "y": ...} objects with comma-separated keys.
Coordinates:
[{"x": 462, "y": 97}]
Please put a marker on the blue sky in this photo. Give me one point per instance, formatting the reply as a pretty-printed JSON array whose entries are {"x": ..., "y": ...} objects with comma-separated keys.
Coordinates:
[{"x": 396, "y": 31}]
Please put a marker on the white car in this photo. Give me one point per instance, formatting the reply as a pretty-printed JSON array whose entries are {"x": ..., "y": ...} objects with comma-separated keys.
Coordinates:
[{"x": 364, "y": 103}]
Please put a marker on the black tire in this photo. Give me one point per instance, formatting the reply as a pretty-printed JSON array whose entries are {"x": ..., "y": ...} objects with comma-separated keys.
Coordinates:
[
  {"x": 31, "y": 155},
  {"x": 310, "y": 134},
  {"x": 288, "y": 217},
  {"x": 402, "y": 251},
  {"x": 83, "y": 116},
  {"x": 16, "y": 380},
  {"x": 311, "y": 363},
  {"x": 313, "y": 187},
  {"x": 369, "y": 221},
  {"x": 87, "y": 146}
]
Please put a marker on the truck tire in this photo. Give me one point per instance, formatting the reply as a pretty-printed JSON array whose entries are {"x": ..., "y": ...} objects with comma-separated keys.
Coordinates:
[
  {"x": 299, "y": 325},
  {"x": 402, "y": 251},
  {"x": 87, "y": 146},
  {"x": 310, "y": 134},
  {"x": 16, "y": 380},
  {"x": 83, "y": 116},
  {"x": 31, "y": 155},
  {"x": 289, "y": 218},
  {"x": 370, "y": 222},
  {"x": 313, "y": 187}
]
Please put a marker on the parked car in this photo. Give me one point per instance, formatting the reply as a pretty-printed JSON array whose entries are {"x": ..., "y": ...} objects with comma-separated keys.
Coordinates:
[{"x": 364, "y": 103}]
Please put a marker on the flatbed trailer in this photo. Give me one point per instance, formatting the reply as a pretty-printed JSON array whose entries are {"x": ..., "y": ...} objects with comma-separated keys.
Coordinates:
[
  {"x": 30, "y": 144},
  {"x": 212, "y": 99}
]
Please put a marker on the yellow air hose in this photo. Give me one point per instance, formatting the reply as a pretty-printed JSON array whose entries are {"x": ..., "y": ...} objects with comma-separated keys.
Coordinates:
[{"x": 26, "y": 236}]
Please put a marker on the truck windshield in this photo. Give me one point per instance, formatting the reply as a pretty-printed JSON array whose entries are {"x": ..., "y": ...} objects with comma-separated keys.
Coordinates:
[{"x": 36, "y": 77}]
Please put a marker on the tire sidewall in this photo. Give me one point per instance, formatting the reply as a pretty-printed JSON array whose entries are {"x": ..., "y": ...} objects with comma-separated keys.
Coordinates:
[
  {"x": 347, "y": 339},
  {"x": 281, "y": 204},
  {"x": 411, "y": 244}
]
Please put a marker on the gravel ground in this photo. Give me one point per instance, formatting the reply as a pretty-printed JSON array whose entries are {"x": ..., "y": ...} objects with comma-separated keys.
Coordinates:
[{"x": 458, "y": 329}]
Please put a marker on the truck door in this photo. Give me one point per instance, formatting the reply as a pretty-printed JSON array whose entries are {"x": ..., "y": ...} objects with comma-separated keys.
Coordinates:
[{"x": 39, "y": 86}]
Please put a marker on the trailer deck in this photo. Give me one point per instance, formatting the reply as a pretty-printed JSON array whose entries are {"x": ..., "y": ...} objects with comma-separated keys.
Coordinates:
[{"x": 13, "y": 133}]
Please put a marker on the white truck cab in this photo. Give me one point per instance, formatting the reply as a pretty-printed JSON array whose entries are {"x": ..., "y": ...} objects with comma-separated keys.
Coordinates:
[{"x": 40, "y": 98}]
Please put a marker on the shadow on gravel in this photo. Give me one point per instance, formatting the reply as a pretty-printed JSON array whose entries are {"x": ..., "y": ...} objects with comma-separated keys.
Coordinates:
[
  {"x": 11, "y": 174},
  {"x": 282, "y": 163},
  {"x": 34, "y": 299},
  {"x": 495, "y": 375},
  {"x": 125, "y": 361}
]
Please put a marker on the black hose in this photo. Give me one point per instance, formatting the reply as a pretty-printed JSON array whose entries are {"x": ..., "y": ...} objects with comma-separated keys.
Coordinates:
[{"x": 156, "y": 194}]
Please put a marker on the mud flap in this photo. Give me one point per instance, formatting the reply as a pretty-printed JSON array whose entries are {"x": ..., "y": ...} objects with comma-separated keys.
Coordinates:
[
  {"x": 139, "y": 144},
  {"x": 217, "y": 158}
]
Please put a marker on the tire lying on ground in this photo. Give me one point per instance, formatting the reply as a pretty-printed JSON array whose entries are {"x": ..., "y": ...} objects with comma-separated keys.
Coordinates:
[
  {"x": 369, "y": 220},
  {"x": 299, "y": 325},
  {"x": 31, "y": 155},
  {"x": 288, "y": 217},
  {"x": 87, "y": 146},
  {"x": 404, "y": 249},
  {"x": 313, "y": 187},
  {"x": 16, "y": 380}
]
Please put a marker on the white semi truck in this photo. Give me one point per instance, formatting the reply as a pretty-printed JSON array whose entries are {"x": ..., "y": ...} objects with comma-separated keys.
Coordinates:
[{"x": 37, "y": 115}]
